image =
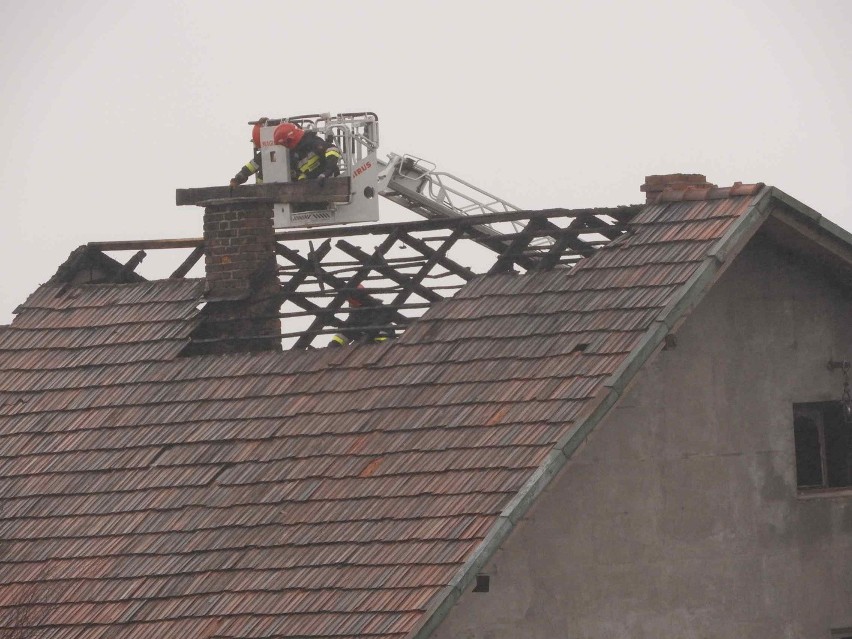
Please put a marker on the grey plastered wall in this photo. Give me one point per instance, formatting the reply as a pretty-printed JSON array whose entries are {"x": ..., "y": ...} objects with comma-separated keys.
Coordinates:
[{"x": 680, "y": 516}]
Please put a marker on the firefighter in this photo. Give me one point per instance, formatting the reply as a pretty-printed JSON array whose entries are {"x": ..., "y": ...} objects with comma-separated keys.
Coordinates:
[
  {"x": 253, "y": 166},
  {"x": 311, "y": 157},
  {"x": 367, "y": 322}
]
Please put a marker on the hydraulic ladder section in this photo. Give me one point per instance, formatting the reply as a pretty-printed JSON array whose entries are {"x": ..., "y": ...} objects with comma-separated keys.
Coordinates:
[{"x": 414, "y": 184}]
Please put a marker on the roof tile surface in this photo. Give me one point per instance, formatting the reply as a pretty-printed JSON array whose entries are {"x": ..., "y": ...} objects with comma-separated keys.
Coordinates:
[{"x": 327, "y": 493}]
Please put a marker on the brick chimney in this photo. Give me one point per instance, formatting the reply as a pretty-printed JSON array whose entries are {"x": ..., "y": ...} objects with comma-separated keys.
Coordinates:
[
  {"x": 243, "y": 291},
  {"x": 656, "y": 184}
]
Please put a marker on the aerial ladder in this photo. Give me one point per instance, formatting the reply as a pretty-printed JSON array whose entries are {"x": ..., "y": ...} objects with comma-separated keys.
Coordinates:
[{"x": 406, "y": 180}]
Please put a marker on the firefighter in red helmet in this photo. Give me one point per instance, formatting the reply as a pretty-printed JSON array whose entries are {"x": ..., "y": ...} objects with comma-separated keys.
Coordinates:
[
  {"x": 253, "y": 166},
  {"x": 368, "y": 321},
  {"x": 311, "y": 157}
]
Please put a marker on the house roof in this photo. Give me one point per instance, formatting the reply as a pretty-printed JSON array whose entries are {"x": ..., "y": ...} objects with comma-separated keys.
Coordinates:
[{"x": 332, "y": 493}]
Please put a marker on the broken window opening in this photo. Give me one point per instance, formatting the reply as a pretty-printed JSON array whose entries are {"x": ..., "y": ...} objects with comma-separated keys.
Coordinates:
[{"x": 823, "y": 442}]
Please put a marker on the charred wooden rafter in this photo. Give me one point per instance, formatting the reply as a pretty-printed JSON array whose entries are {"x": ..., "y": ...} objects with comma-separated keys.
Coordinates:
[{"x": 317, "y": 281}]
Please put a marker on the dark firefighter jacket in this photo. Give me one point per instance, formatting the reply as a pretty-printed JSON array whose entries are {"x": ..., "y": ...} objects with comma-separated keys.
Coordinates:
[
  {"x": 313, "y": 157},
  {"x": 366, "y": 323}
]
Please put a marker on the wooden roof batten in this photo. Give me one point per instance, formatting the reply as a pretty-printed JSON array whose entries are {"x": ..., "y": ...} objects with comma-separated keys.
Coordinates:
[{"x": 414, "y": 265}]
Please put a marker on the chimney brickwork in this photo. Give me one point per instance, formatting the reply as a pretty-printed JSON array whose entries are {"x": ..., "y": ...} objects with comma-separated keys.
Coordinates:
[
  {"x": 655, "y": 185},
  {"x": 239, "y": 244},
  {"x": 243, "y": 291}
]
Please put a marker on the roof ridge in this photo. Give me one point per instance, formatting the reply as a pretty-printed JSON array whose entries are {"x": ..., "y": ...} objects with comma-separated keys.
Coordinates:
[{"x": 693, "y": 192}]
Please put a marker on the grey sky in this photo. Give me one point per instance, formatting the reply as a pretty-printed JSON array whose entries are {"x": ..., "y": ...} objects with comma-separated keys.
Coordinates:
[{"x": 108, "y": 107}]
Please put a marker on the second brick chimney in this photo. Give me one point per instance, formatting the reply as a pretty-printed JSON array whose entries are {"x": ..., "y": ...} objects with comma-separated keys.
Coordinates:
[
  {"x": 656, "y": 184},
  {"x": 243, "y": 291}
]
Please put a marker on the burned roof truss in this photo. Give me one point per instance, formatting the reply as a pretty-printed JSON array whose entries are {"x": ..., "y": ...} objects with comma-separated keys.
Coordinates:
[{"x": 402, "y": 267}]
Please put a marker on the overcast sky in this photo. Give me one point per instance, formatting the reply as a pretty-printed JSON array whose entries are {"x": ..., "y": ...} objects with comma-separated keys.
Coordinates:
[{"x": 108, "y": 107}]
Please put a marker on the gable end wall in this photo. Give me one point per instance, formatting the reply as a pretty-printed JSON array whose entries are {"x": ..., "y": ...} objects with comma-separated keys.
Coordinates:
[{"x": 680, "y": 516}]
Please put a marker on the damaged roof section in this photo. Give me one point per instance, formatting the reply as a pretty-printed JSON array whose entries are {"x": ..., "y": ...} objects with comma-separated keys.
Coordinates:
[{"x": 403, "y": 268}]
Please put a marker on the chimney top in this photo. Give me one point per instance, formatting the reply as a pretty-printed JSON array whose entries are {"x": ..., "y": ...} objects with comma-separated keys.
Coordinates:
[{"x": 656, "y": 184}]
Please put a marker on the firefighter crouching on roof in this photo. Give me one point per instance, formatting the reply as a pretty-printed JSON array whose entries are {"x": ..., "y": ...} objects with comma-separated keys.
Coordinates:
[
  {"x": 253, "y": 166},
  {"x": 367, "y": 322},
  {"x": 311, "y": 157}
]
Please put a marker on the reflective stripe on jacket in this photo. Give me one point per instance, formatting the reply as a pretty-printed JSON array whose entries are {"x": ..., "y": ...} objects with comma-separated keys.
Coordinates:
[
  {"x": 250, "y": 168},
  {"x": 314, "y": 156}
]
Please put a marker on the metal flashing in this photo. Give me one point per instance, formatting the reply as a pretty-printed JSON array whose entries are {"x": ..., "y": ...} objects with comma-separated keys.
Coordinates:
[{"x": 519, "y": 504}]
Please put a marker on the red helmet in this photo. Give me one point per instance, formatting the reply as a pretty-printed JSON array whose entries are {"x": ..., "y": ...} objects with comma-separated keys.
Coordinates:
[
  {"x": 288, "y": 135},
  {"x": 353, "y": 298},
  {"x": 255, "y": 132}
]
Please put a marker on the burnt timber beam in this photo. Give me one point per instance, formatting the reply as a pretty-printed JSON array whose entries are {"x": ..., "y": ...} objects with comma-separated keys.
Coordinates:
[
  {"x": 132, "y": 245},
  {"x": 311, "y": 267},
  {"x": 363, "y": 273},
  {"x": 509, "y": 255},
  {"x": 583, "y": 248},
  {"x": 621, "y": 213},
  {"x": 188, "y": 263},
  {"x": 337, "y": 283},
  {"x": 350, "y": 289},
  {"x": 434, "y": 257},
  {"x": 323, "y": 319},
  {"x": 333, "y": 190},
  {"x": 439, "y": 256},
  {"x": 554, "y": 253},
  {"x": 597, "y": 225},
  {"x": 133, "y": 262},
  {"x": 324, "y": 316},
  {"x": 377, "y": 263},
  {"x": 306, "y": 265}
]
